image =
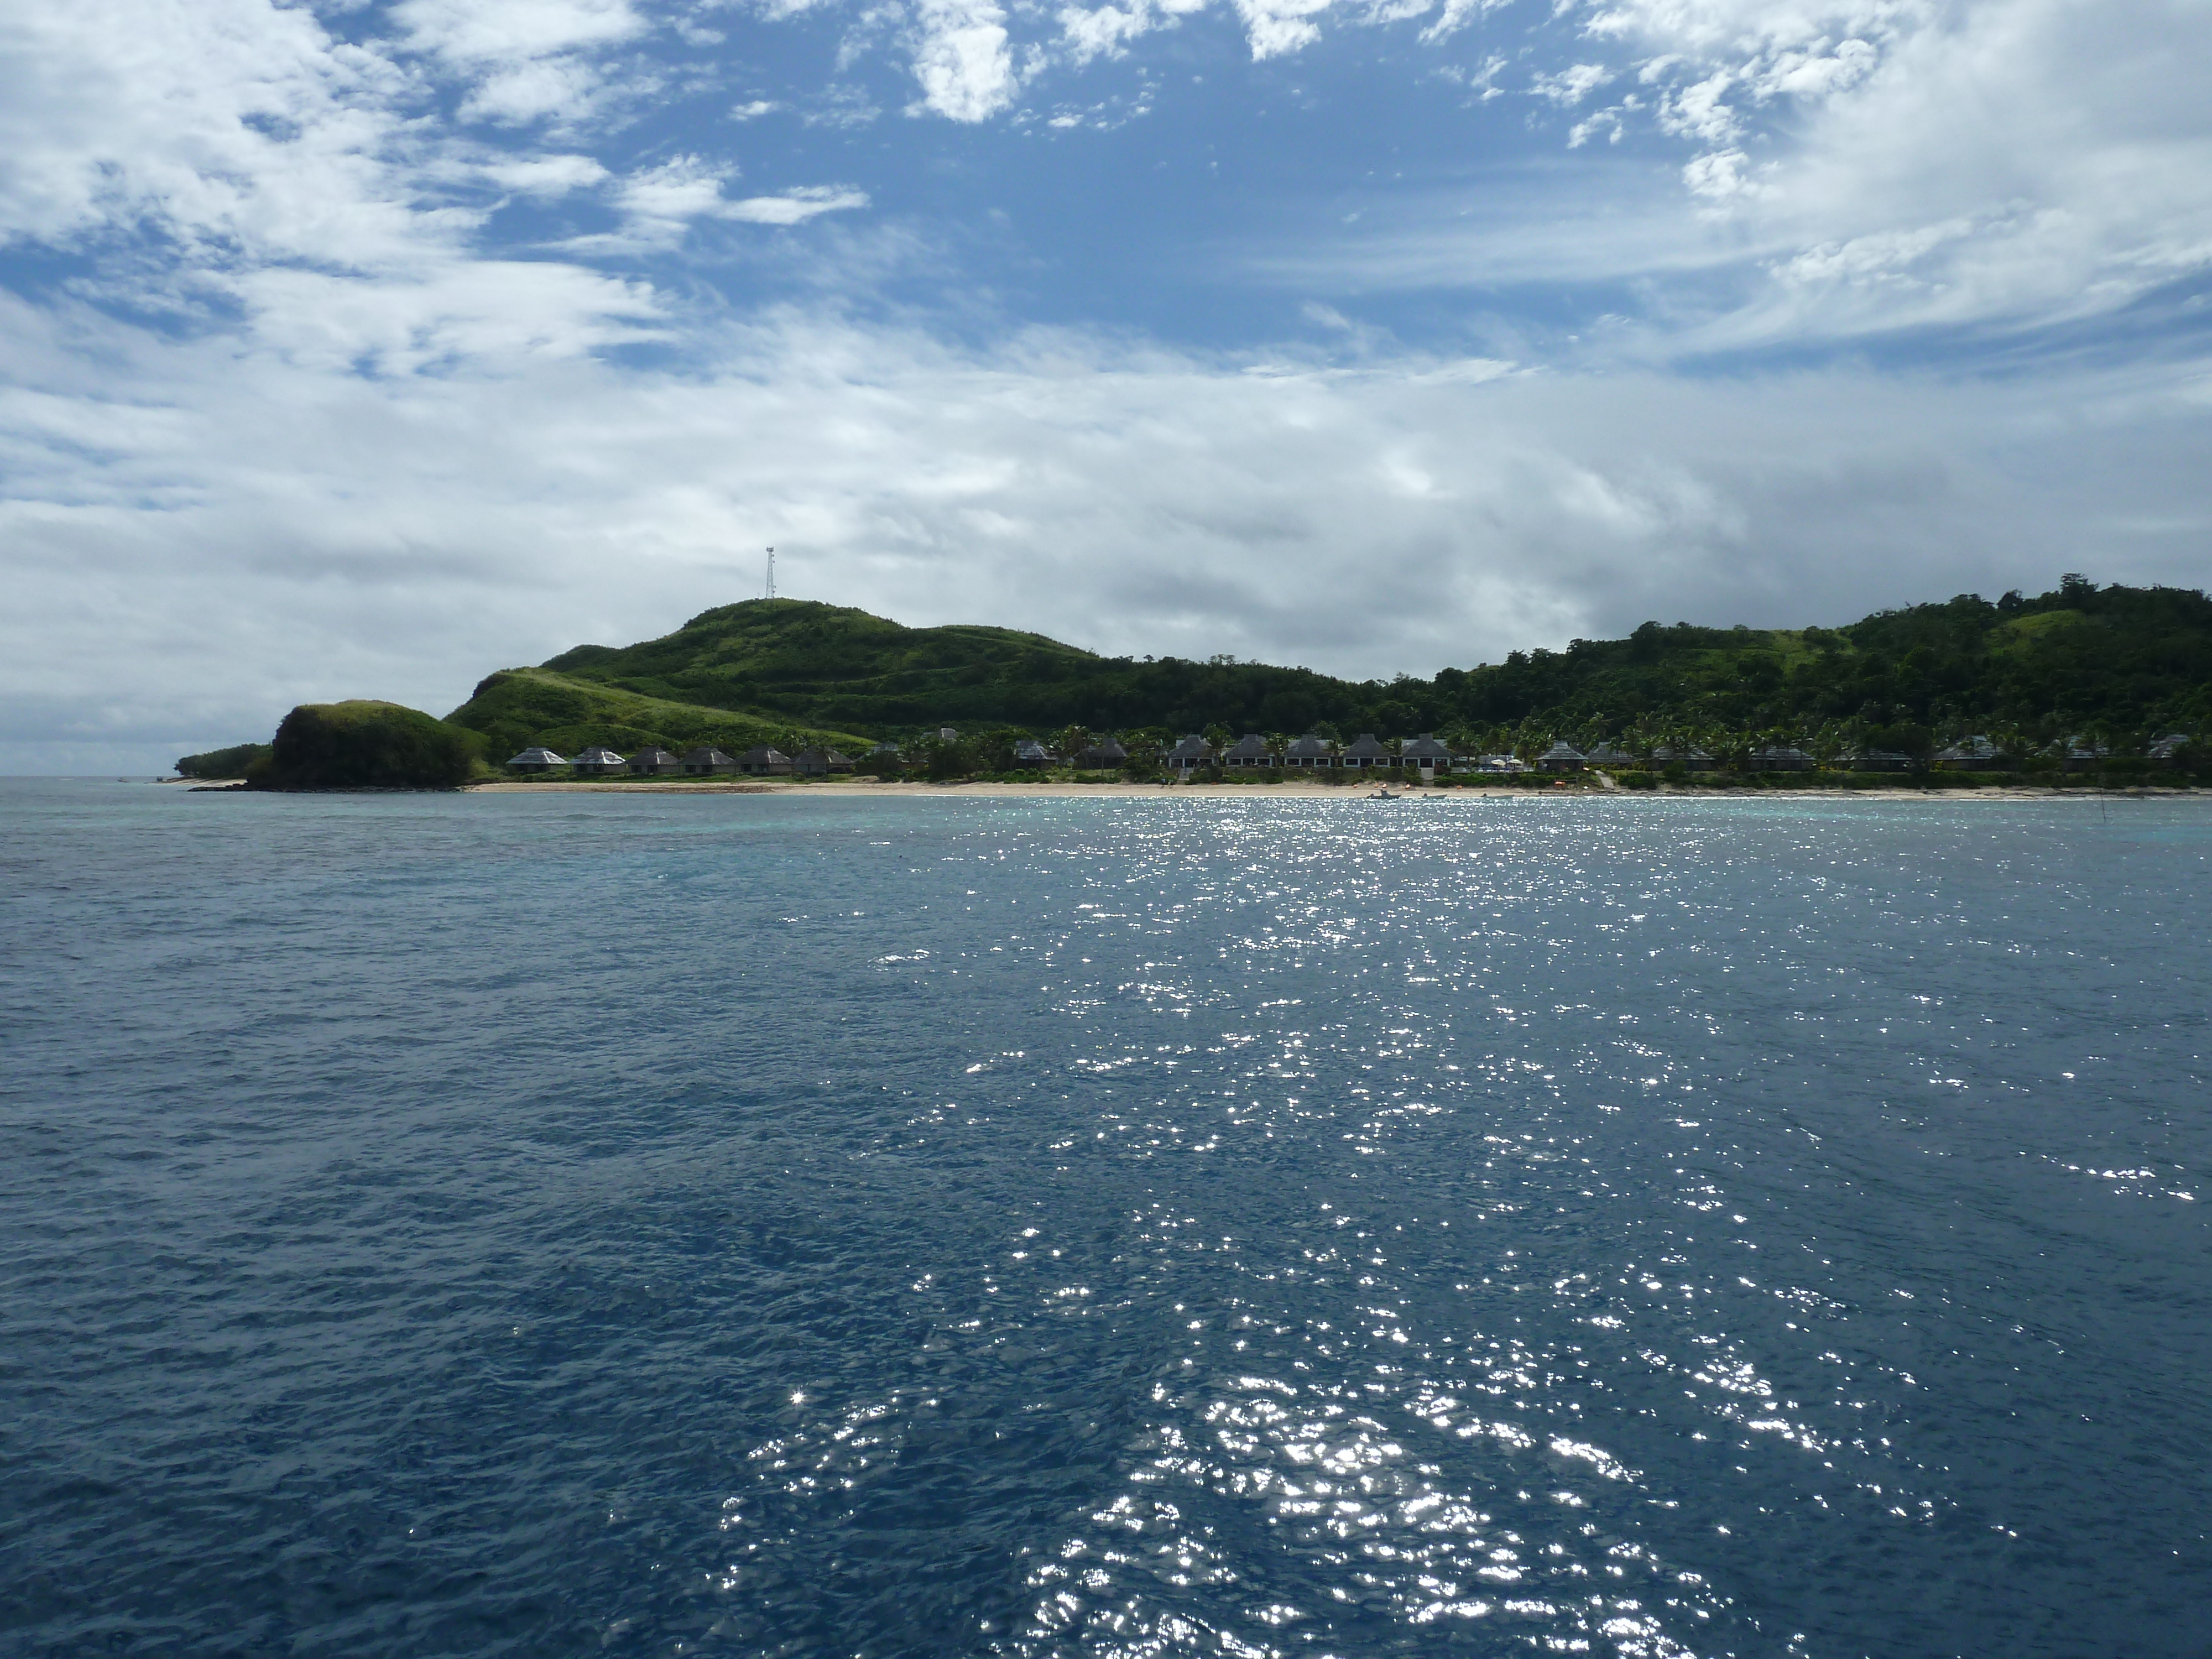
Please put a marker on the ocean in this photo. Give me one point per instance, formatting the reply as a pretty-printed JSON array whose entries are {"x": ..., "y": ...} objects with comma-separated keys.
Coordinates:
[{"x": 738, "y": 1225}]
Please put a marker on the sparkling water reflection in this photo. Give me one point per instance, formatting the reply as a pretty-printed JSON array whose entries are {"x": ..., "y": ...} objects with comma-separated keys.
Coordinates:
[{"x": 796, "y": 1226}]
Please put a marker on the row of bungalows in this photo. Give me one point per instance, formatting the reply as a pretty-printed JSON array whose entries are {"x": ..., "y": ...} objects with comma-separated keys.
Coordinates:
[
  {"x": 1973, "y": 754},
  {"x": 704, "y": 761},
  {"x": 1252, "y": 752},
  {"x": 2078, "y": 753}
]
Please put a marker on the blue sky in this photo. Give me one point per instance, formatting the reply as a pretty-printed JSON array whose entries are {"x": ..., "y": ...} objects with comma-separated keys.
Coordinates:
[{"x": 356, "y": 349}]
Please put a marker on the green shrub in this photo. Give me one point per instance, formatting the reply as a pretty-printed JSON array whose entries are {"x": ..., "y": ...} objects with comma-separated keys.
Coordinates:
[
  {"x": 360, "y": 744},
  {"x": 1636, "y": 781}
]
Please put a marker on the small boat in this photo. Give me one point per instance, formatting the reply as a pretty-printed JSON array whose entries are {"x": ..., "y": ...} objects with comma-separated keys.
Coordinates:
[{"x": 1383, "y": 794}]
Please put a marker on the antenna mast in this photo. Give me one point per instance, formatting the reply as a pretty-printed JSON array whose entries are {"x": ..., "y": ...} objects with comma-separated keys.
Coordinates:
[{"x": 771, "y": 573}]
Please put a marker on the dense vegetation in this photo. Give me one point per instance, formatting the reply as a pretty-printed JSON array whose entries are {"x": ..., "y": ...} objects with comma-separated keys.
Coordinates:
[
  {"x": 231, "y": 762},
  {"x": 366, "y": 745},
  {"x": 2115, "y": 664}
]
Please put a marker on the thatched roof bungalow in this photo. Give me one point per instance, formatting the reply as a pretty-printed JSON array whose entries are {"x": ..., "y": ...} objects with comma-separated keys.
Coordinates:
[
  {"x": 815, "y": 762},
  {"x": 1193, "y": 752},
  {"x": 1030, "y": 755},
  {"x": 1779, "y": 758},
  {"x": 537, "y": 760},
  {"x": 652, "y": 763},
  {"x": 1975, "y": 754},
  {"x": 705, "y": 759},
  {"x": 1875, "y": 760},
  {"x": 2083, "y": 754},
  {"x": 1103, "y": 755},
  {"x": 1561, "y": 757},
  {"x": 1366, "y": 750},
  {"x": 1310, "y": 750},
  {"x": 1425, "y": 752},
  {"x": 1249, "y": 751},
  {"x": 762, "y": 761},
  {"x": 598, "y": 763}
]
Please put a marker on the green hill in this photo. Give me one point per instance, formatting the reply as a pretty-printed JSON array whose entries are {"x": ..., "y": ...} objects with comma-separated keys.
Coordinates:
[
  {"x": 2118, "y": 661},
  {"x": 519, "y": 706},
  {"x": 832, "y": 666}
]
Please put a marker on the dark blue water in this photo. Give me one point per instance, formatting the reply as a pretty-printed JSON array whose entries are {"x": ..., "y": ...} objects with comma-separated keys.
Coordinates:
[{"x": 758, "y": 1225}]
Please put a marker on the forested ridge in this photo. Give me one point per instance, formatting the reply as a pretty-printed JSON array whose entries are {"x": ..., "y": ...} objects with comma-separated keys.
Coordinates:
[{"x": 2114, "y": 663}]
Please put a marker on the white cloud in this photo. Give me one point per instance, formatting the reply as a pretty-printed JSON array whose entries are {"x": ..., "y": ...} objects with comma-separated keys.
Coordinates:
[
  {"x": 527, "y": 60},
  {"x": 1718, "y": 175},
  {"x": 544, "y": 176},
  {"x": 1456, "y": 16},
  {"x": 1277, "y": 27},
  {"x": 509, "y": 31},
  {"x": 2026, "y": 164},
  {"x": 796, "y": 206},
  {"x": 961, "y": 58},
  {"x": 1573, "y": 84},
  {"x": 233, "y": 123},
  {"x": 659, "y": 205},
  {"x": 1104, "y": 31}
]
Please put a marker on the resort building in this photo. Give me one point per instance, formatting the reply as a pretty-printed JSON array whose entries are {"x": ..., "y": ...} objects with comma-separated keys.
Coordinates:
[
  {"x": 1103, "y": 755},
  {"x": 819, "y": 762},
  {"x": 537, "y": 760},
  {"x": 1694, "y": 759},
  {"x": 652, "y": 763},
  {"x": 1875, "y": 760},
  {"x": 761, "y": 762},
  {"x": 700, "y": 761},
  {"x": 2165, "y": 749},
  {"x": 1310, "y": 750},
  {"x": 1365, "y": 750},
  {"x": 1607, "y": 754},
  {"x": 1561, "y": 757},
  {"x": 2083, "y": 754},
  {"x": 1249, "y": 751},
  {"x": 598, "y": 763},
  {"x": 1969, "y": 755},
  {"x": 1030, "y": 755},
  {"x": 1193, "y": 752},
  {"x": 1425, "y": 752},
  {"x": 1779, "y": 757}
]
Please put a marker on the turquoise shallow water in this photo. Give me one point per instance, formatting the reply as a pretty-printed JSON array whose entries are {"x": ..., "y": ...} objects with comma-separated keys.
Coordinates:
[{"x": 755, "y": 1225}]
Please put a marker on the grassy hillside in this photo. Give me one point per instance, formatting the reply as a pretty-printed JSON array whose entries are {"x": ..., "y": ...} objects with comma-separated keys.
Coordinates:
[
  {"x": 2116, "y": 661},
  {"x": 519, "y": 706},
  {"x": 836, "y": 666}
]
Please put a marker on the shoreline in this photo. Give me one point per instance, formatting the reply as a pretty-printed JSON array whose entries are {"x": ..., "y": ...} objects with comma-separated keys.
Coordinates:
[
  {"x": 846, "y": 790},
  {"x": 850, "y": 789}
]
